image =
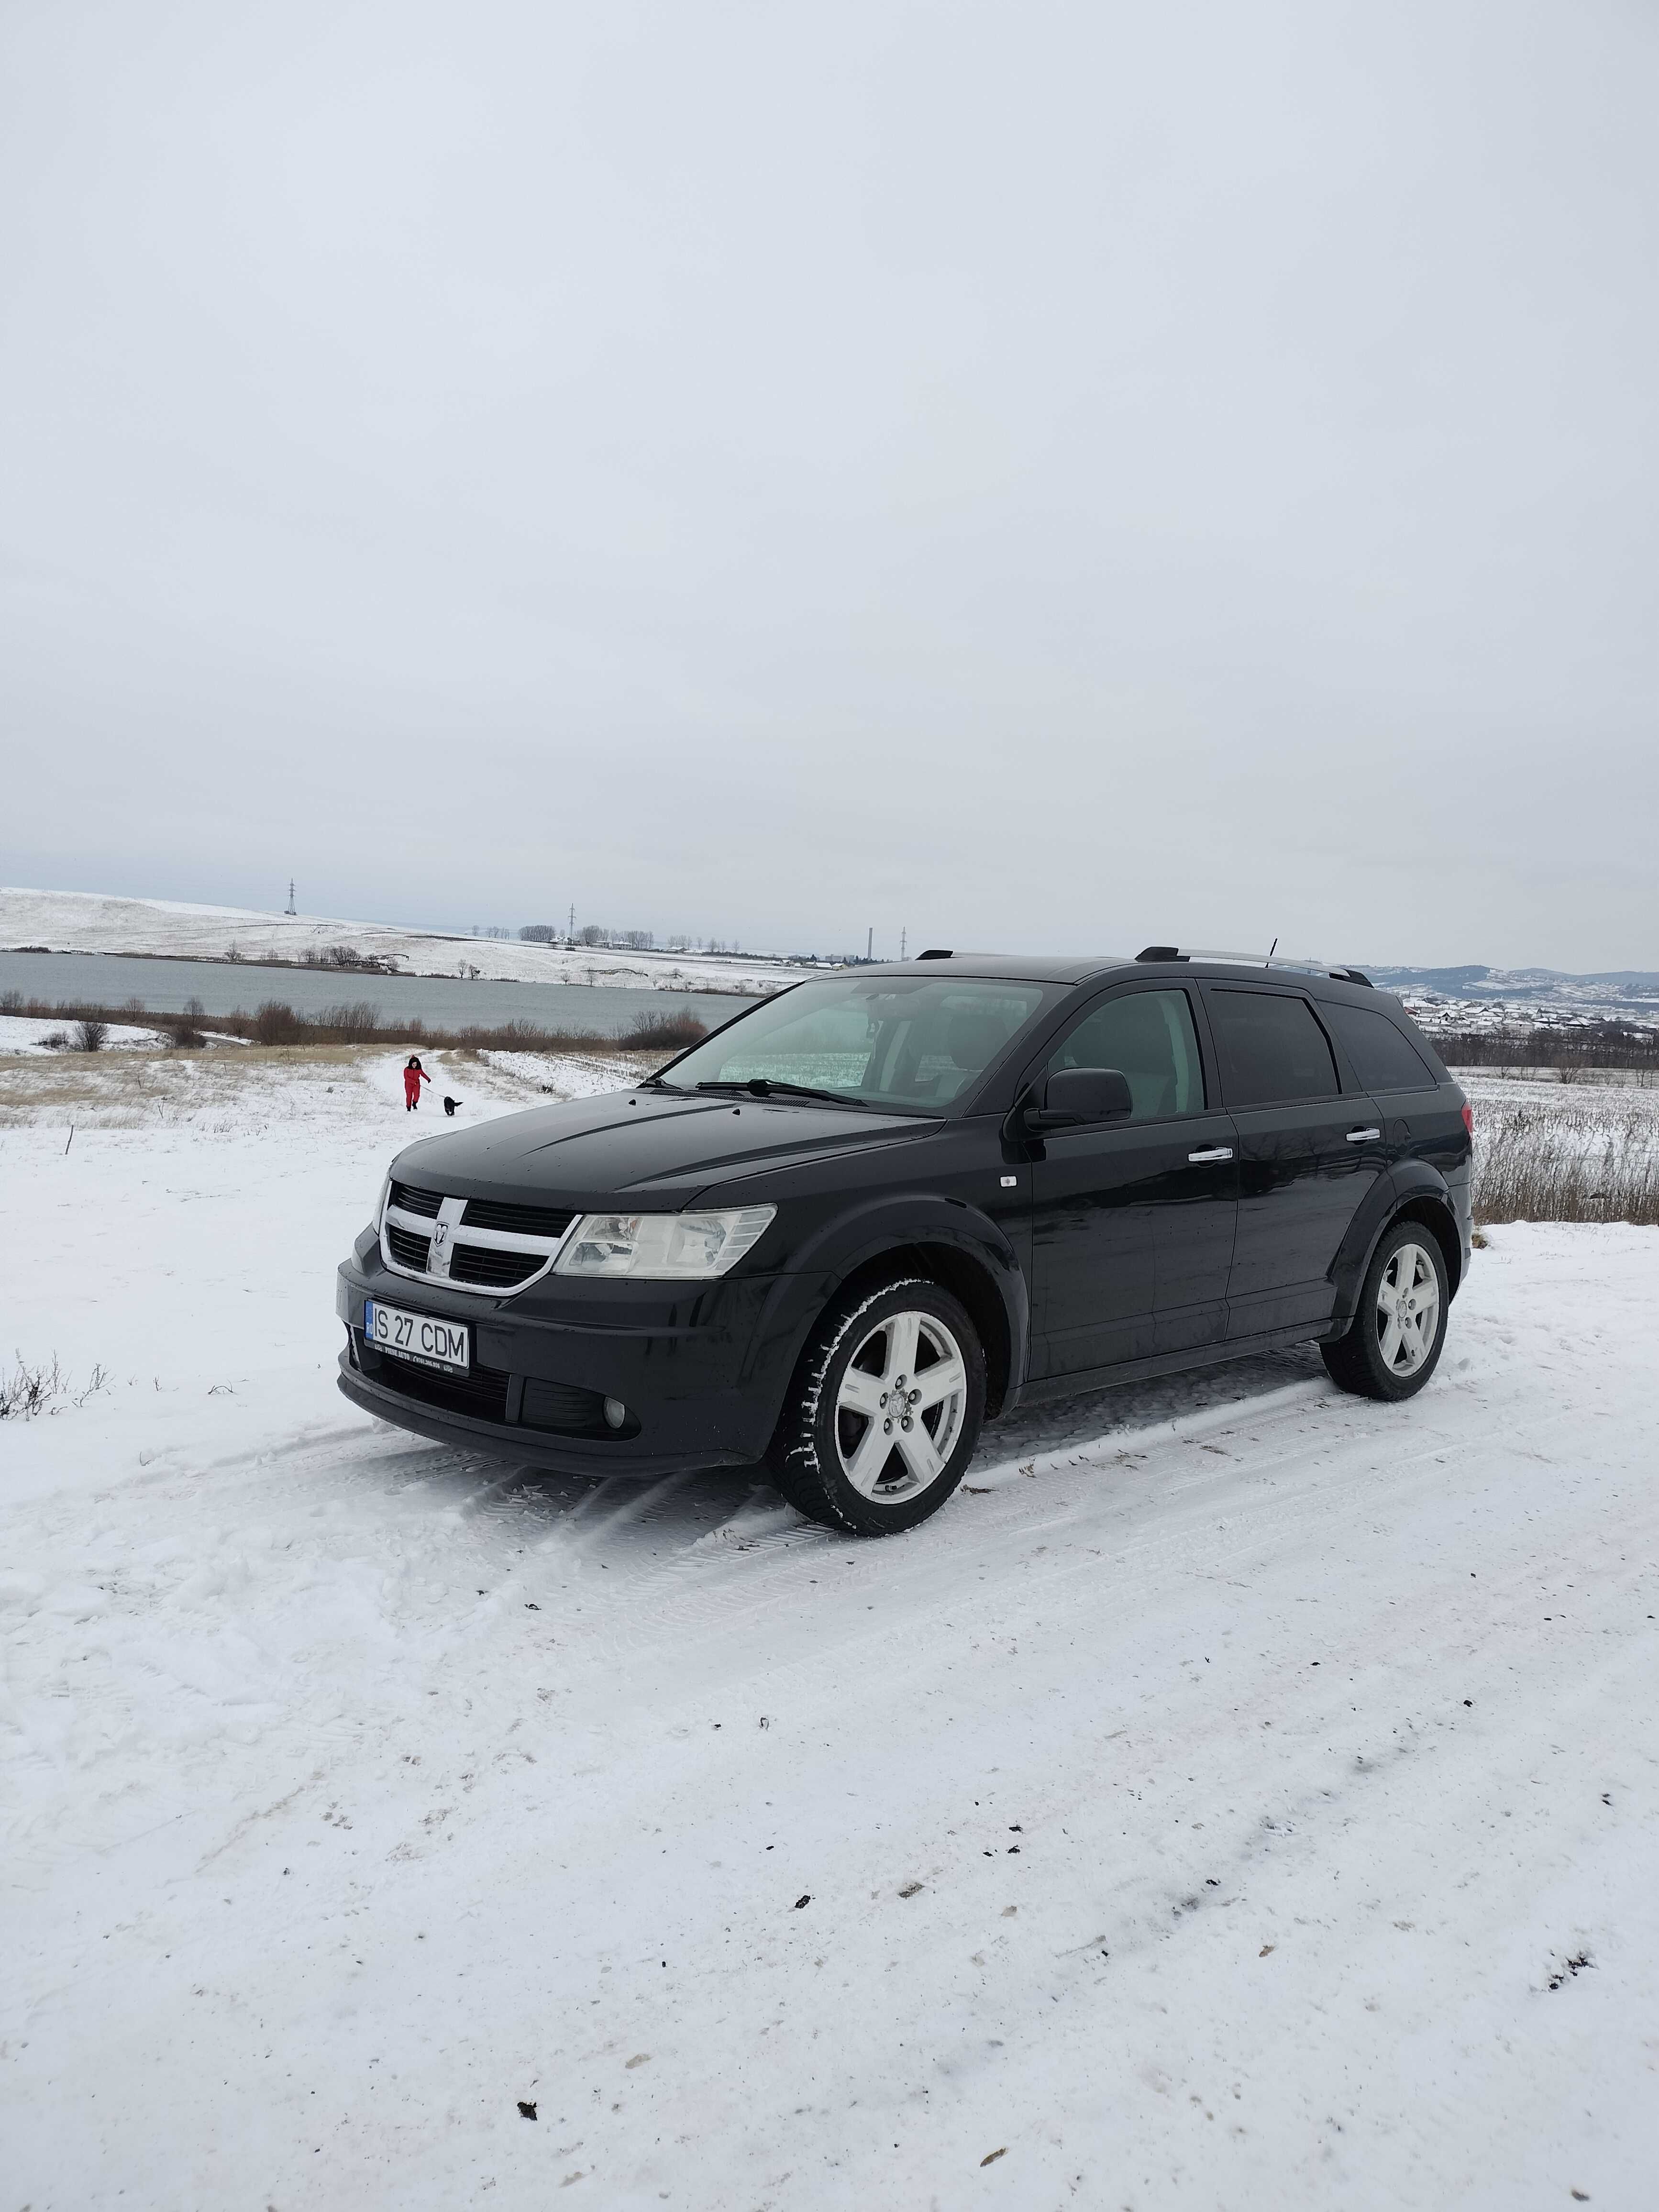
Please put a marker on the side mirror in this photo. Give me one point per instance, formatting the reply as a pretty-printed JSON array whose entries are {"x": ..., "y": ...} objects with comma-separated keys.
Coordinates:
[{"x": 1077, "y": 1098}]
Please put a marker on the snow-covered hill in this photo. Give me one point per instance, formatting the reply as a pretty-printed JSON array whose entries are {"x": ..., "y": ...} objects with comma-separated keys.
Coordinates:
[
  {"x": 88, "y": 922},
  {"x": 1479, "y": 1000}
]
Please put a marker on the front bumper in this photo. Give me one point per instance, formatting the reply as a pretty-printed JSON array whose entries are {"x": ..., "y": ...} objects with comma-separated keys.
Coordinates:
[{"x": 702, "y": 1368}]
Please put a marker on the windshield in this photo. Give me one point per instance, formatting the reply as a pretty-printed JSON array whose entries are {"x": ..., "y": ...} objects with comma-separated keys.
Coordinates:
[{"x": 897, "y": 1041}]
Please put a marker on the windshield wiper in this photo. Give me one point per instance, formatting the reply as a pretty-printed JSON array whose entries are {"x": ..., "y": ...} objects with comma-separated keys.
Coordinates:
[
  {"x": 762, "y": 1086},
  {"x": 660, "y": 1083}
]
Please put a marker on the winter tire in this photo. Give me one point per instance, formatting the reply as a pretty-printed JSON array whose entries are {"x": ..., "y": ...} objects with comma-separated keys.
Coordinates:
[
  {"x": 1394, "y": 1342},
  {"x": 885, "y": 1410}
]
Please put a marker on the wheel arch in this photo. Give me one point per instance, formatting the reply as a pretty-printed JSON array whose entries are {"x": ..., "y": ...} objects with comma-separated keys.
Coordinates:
[
  {"x": 1437, "y": 1219},
  {"x": 1424, "y": 1198},
  {"x": 952, "y": 1243},
  {"x": 968, "y": 1279}
]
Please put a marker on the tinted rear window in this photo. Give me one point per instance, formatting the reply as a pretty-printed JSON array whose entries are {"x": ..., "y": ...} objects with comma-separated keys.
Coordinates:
[
  {"x": 1384, "y": 1057},
  {"x": 1273, "y": 1050}
]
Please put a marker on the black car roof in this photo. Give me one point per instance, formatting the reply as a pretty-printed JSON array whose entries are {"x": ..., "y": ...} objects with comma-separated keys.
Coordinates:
[
  {"x": 1005, "y": 968},
  {"x": 1023, "y": 968}
]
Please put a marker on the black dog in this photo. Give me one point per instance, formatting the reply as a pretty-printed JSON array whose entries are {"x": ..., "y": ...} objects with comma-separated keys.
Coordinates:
[{"x": 450, "y": 1104}]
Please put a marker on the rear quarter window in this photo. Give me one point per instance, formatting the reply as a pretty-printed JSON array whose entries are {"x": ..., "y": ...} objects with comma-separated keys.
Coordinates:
[
  {"x": 1272, "y": 1051},
  {"x": 1384, "y": 1057}
]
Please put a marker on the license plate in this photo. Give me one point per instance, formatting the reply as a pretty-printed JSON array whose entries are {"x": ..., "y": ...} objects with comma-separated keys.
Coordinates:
[{"x": 422, "y": 1337}]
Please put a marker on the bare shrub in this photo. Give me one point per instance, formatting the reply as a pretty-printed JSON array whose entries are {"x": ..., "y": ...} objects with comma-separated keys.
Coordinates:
[
  {"x": 354, "y": 1021},
  {"x": 28, "y": 1391},
  {"x": 91, "y": 1035},
  {"x": 663, "y": 1033},
  {"x": 11, "y": 1002},
  {"x": 524, "y": 1036},
  {"x": 185, "y": 1028},
  {"x": 359, "y": 1021},
  {"x": 274, "y": 1021}
]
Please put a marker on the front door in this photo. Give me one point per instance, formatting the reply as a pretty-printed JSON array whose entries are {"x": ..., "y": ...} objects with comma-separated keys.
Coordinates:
[
  {"x": 1308, "y": 1154},
  {"x": 1133, "y": 1222}
]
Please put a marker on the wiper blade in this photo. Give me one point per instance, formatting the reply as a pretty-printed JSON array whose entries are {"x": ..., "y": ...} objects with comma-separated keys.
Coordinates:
[
  {"x": 660, "y": 1083},
  {"x": 762, "y": 1086}
]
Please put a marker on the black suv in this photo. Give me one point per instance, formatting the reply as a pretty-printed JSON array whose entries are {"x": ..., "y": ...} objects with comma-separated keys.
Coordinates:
[{"x": 888, "y": 1204}]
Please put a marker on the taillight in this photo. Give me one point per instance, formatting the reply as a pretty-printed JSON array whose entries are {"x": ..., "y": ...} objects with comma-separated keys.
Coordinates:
[{"x": 1468, "y": 1117}]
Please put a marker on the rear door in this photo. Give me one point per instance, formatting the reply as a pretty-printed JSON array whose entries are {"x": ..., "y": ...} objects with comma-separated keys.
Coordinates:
[
  {"x": 1309, "y": 1152},
  {"x": 1417, "y": 1118},
  {"x": 1133, "y": 1221}
]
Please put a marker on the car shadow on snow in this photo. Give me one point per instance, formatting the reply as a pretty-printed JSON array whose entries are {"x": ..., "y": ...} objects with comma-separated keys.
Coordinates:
[{"x": 621, "y": 1519}]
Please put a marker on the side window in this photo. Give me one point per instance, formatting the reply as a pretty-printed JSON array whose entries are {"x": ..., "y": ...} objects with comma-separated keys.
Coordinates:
[
  {"x": 1384, "y": 1057},
  {"x": 1149, "y": 1036},
  {"x": 1273, "y": 1050}
]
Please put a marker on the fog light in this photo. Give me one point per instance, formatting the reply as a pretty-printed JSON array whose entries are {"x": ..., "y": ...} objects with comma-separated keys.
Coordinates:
[{"x": 615, "y": 1413}]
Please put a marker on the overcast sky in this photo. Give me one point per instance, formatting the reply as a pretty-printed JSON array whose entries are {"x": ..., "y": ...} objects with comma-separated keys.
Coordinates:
[{"x": 1052, "y": 477}]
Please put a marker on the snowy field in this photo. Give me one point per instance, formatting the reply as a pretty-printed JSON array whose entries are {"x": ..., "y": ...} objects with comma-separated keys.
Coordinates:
[
  {"x": 20, "y": 1034},
  {"x": 88, "y": 922},
  {"x": 1239, "y": 1795}
]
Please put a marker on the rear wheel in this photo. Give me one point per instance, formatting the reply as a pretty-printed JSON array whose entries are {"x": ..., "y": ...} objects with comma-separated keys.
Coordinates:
[
  {"x": 886, "y": 1409},
  {"x": 1393, "y": 1343}
]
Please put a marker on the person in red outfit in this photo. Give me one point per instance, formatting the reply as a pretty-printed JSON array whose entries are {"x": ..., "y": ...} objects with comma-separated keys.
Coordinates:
[{"x": 414, "y": 1076}]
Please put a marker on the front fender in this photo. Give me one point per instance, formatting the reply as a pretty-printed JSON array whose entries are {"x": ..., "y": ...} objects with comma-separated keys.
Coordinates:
[
  {"x": 1410, "y": 1182},
  {"x": 841, "y": 1248}
]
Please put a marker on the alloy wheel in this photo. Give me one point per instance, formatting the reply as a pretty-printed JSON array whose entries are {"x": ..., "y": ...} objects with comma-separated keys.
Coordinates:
[
  {"x": 900, "y": 1407},
  {"x": 1407, "y": 1309}
]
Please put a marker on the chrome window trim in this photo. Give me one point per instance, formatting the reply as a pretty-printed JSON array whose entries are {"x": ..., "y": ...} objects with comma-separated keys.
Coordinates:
[{"x": 447, "y": 1220}]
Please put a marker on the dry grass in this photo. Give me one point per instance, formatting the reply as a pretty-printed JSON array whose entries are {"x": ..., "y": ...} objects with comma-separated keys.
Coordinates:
[
  {"x": 125, "y": 1091},
  {"x": 233, "y": 1090},
  {"x": 1577, "y": 1164},
  {"x": 29, "y": 1390}
]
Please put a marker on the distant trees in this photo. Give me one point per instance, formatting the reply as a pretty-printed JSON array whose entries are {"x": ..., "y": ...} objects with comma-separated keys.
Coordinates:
[
  {"x": 347, "y": 955},
  {"x": 599, "y": 933}
]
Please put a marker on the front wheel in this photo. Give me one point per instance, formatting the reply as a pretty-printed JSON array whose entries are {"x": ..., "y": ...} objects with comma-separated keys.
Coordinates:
[
  {"x": 885, "y": 1410},
  {"x": 1393, "y": 1343}
]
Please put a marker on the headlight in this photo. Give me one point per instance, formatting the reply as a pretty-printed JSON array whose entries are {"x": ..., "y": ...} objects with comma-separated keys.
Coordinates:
[{"x": 661, "y": 1247}]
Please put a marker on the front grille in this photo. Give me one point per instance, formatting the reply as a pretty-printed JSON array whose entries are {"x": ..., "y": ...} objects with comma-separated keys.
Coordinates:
[
  {"x": 408, "y": 1250},
  {"x": 404, "y": 1196},
  {"x": 479, "y": 1263},
  {"x": 564, "y": 1406},
  {"x": 519, "y": 1220},
  {"x": 478, "y": 1243},
  {"x": 483, "y": 1394}
]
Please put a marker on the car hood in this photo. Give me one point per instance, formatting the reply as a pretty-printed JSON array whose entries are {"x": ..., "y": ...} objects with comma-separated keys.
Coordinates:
[{"x": 643, "y": 1144}]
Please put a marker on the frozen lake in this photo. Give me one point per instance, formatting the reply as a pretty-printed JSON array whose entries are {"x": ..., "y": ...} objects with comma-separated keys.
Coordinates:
[{"x": 109, "y": 979}]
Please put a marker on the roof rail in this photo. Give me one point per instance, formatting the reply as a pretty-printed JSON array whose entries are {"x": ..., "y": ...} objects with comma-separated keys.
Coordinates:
[
  {"x": 935, "y": 952},
  {"x": 1306, "y": 967}
]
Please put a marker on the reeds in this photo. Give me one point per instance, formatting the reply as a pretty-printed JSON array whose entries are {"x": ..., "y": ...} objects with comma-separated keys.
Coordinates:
[{"x": 1532, "y": 1163}]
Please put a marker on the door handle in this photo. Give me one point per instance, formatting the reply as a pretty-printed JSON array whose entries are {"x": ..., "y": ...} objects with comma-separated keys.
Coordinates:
[
  {"x": 1364, "y": 1136},
  {"x": 1215, "y": 1152}
]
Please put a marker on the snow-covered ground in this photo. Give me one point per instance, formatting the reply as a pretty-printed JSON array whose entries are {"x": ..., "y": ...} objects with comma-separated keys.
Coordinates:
[
  {"x": 1240, "y": 1795},
  {"x": 1615, "y": 1112},
  {"x": 20, "y": 1035},
  {"x": 88, "y": 922}
]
